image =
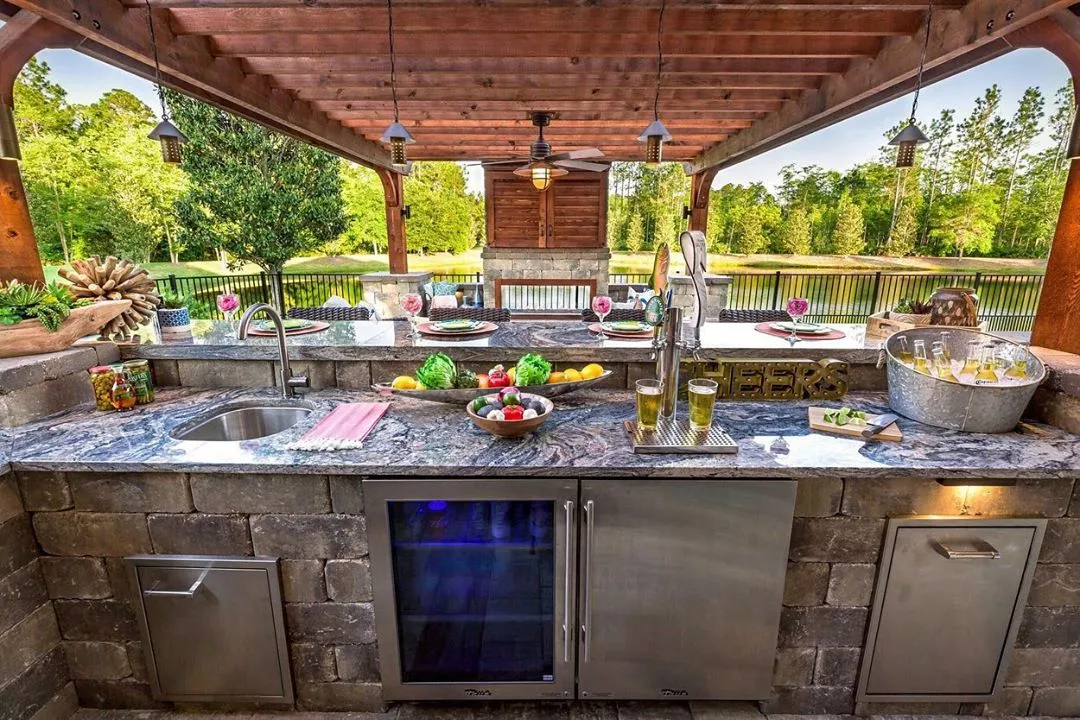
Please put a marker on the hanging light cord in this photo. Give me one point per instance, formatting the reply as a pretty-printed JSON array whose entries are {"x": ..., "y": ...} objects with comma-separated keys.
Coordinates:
[
  {"x": 393, "y": 70},
  {"x": 659, "y": 59},
  {"x": 922, "y": 58},
  {"x": 157, "y": 64}
]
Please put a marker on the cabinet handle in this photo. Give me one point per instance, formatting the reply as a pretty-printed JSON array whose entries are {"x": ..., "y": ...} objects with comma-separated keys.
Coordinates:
[
  {"x": 983, "y": 551},
  {"x": 586, "y": 612},
  {"x": 189, "y": 593},
  {"x": 568, "y": 623}
]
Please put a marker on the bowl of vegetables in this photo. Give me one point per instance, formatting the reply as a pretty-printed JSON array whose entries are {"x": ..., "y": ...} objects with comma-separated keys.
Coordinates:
[{"x": 510, "y": 412}]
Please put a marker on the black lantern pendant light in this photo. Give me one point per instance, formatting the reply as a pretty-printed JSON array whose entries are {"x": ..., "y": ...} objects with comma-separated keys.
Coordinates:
[
  {"x": 911, "y": 136},
  {"x": 396, "y": 135},
  {"x": 656, "y": 134},
  {"x": 166, "y": 133}
]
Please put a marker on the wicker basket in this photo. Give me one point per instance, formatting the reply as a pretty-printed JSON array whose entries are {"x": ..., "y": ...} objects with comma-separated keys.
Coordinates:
[{"x": 884, "y": 324}]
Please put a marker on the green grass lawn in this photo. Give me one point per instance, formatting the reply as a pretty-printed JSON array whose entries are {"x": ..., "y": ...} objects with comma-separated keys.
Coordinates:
[{"x": 470, "y": 262}]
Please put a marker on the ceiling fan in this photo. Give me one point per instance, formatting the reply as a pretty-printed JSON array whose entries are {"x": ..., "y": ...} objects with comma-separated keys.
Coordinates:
[{"x": 543, "y": 165}]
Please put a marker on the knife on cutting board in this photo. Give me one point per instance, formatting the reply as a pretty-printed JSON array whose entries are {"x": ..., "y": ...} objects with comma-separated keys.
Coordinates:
[{"x": 880, "y": 423}]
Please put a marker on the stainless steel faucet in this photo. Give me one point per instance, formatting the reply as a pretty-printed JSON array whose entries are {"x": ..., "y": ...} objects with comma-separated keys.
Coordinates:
[{"x": 291, "y": 386}]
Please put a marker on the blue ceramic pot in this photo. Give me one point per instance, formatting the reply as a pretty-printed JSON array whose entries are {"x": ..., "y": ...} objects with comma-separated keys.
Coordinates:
[{"x": 173, "y": 318}]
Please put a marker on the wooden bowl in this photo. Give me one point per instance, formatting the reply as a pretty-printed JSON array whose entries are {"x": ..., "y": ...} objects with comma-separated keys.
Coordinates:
[
  {"x": 30, "y": 337},
  {"x": 512, "y": 428}
]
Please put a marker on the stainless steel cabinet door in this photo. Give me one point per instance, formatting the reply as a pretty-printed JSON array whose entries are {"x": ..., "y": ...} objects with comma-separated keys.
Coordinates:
[
  {"x": 212, "y": 628},
  {"x": 473, "y": 583},
  {"x": 682, "y": 583},
  {"x": 947, "y": 607}
]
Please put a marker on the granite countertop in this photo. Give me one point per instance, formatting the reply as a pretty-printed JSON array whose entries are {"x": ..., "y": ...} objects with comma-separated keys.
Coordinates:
[
  {"x": 583, "y": 438},
  {"x": 559, "y": 341}
]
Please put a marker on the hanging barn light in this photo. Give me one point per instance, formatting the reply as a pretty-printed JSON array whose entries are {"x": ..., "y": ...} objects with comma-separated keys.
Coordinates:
[
  {"x": 166, "y": 133},
  {"x": 540, "y": 173},
  {"x": 655, "y": 135},
  {"x": 396, "y": 135},
  {"x": 9, "y": 138},
  {"x": 912, "y": 136}
]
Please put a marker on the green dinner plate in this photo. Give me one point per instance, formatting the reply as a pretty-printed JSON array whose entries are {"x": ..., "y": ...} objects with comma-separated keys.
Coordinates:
[
  {"x": 803, "y": 327},
  {"x": 289, "y": 323},
  {"x": 627, "y": 326},
  {"x": 456, "y": 325}
]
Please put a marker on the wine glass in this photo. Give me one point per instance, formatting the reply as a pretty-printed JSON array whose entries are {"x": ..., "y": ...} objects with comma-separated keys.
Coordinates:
[
  {"x": 601, "y": 305},
  {"x": 228, "y": 302},
  {"x": 412, "y": 304},
  {"x": 796, "y": 308}
]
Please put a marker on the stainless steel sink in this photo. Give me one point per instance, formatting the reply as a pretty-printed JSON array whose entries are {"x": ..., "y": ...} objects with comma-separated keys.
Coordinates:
[{"x": 242, "y": 422}]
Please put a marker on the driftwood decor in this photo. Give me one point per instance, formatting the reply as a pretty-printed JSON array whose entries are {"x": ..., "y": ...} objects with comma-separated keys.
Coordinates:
[
  {"x": 115, "y": 279},
  {"x": 30, "y": 337}
]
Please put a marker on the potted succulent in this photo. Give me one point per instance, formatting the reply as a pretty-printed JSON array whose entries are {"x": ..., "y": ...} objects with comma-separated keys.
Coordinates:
[
  {"x": 912, "y": 312},
  {"x": 173, "y": 315}
]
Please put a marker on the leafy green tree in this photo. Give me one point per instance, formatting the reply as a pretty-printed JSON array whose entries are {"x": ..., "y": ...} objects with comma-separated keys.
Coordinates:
[
  {"x": 442, "y": 214},
  {"x": 751, "y": 231},
  {"x": 262, "y": 196},
  {"x": 966, "y": 221},
  {"x": 42, "y": 106},
  {"x": 362, "y": 193},
  {"x": 794, "y": 235},
  {"x": 849, "y": 235},
  {"x": 902, "y": 239}
]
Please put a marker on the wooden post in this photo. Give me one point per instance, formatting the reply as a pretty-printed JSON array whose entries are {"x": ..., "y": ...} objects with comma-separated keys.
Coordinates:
[
  {"x": 1057, "y": 321},
  {"x": 393, "y": 192},
  {"x": 20, "y": 39},
  {"x": 700, "y": 184}
]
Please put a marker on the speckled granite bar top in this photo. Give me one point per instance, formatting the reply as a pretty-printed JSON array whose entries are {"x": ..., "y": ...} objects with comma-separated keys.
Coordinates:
[
  {"x": 584, "y": 438},
  {"x": 560, "y": 341}
]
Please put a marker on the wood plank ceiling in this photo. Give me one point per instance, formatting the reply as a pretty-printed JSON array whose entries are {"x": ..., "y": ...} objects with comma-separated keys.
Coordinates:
[{"x": 470, "y": 72}]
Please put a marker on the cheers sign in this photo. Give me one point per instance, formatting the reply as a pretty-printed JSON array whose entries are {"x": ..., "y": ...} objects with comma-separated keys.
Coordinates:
[{"x": 774, "y": 379}]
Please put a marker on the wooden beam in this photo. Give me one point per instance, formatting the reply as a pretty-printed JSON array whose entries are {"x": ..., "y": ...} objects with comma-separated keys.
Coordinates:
[
  {"x": 480, "y": 83},
  {"x": 787, "y": 5},
  {"x": 21, "y": 37},
  {"x": 537, "y": 20},
  {"x": 189, "y": 60},
  {"x": 394, "y": 197},
  {"x": 526, "y": 45},
  {"x": 562, "y": 129},
  {"x": 641, "y": 106},
  {"x": 493, "y": 68},
  {"x": 954, "y": 34},
  {"x": 1057, "y": 321},
  {"x": 542, "y": 96},
  {"x": 364, "y": 113},
  {"x": 700, "y": 185}
]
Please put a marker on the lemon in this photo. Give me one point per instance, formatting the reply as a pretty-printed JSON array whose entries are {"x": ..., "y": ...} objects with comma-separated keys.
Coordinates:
[
  {"x": 592, "y": 370},
  {"x": 403, "y": 382},
  {"x": 571, "y": 375},
  {"x": 556, "y": 377},
  {"x": 511, "y": 373}
]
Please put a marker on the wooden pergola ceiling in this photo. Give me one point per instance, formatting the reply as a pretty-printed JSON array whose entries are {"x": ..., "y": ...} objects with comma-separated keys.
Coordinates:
[{"x": 739, "y": 76}]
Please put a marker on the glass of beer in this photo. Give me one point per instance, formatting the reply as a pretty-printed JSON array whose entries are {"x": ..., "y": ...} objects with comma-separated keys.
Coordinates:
[
  {"x": 702, "y": 396},
  {"x": 648, "y": 403}
]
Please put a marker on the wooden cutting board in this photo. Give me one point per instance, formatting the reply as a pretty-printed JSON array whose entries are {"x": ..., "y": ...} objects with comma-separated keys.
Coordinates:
[{"x": 817, "y": 422}]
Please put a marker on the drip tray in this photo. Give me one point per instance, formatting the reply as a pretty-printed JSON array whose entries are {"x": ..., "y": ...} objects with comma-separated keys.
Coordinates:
[{"x": 675, "y": 436}]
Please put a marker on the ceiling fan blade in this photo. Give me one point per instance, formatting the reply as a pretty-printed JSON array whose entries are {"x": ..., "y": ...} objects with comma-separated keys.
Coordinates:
[
  {"x": 507, "y": 161},
  {"x": 576, "y": 154},
  {"x": 581, "y": 165}
]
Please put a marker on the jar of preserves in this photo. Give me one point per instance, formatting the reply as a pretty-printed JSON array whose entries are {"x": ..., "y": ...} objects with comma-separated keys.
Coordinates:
[
  {"x": 122, "y": 394},
  {"x": 101, "y": 379},
  {"x": 138, "y": 372}
]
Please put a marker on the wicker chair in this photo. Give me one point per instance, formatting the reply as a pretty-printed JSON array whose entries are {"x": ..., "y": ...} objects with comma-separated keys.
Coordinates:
[
  {"x": 616, "y": 315},
  {"x": 326, "y": 314},
  {"x": 495, "y": 315},
  {"x": 754, "y": 316}
]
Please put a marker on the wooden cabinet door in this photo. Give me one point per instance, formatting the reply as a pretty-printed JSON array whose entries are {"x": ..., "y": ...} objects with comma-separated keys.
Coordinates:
[{"x": 572, "y": 213}]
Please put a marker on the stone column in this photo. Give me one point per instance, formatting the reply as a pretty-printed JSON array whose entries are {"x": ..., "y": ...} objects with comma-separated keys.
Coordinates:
[
  {"x": 716, "y": 290},
  {"x": 385, "y": 290}
]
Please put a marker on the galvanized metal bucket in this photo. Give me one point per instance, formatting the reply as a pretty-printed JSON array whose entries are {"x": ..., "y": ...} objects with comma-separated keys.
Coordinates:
[{"x": 957, "y": 406}]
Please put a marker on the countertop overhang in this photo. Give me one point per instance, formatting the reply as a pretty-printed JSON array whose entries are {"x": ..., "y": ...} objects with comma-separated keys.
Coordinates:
[
  {"x": 584, "y": 438},
  {"x": 558, "y": 340}
]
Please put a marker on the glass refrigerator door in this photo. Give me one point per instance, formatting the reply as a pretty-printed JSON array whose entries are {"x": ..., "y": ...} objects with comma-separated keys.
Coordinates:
[{"x": 474, "y": 584}]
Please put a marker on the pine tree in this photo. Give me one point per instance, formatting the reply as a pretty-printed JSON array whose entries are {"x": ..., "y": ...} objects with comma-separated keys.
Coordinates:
[
  {"x": 794, "y": 236},
  {"x": 849, "y": 237},
  {"x": 1022, "y": 131}
]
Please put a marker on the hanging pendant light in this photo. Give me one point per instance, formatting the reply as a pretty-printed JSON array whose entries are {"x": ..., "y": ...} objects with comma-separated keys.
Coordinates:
[
  {"x": 656, "y": 134},
  {"x": 166, "y": 133},
  {"x": 540, "y": 173},
  {"x": 911, "y": 136},
  {"x": 396, "y": 135}
]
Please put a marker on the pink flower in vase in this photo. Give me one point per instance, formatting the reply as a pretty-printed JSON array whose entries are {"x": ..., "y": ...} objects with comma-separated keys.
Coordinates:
[
  {"x": 228, "y": 302},
  {"x": 601, "y": 304},
  {"x": 797, "y": 307},
  {"x": 412, "y": 304}
]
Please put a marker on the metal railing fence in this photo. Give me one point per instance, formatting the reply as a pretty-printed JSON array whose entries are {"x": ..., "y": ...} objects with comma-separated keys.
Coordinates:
[{"x": 1006, "y": 301}]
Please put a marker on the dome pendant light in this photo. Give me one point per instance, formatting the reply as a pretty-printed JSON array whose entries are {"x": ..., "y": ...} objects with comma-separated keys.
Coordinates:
[
  {"x": 396, "y": 135},
  {"x": 911, "y": 136},
  {"x": 656, "y": 134},
  {"x": 166, "y": 133}
]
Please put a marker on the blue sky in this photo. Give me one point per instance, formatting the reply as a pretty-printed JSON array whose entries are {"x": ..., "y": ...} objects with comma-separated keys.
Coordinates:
[{"x": 838, "y": 147}]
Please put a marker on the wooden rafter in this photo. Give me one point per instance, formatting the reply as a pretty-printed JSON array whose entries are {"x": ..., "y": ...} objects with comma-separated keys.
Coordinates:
[
  {"x": 793, "y": 5},
  {"x": 189, "y": 61},
  {"x": 869, "y": 82}
]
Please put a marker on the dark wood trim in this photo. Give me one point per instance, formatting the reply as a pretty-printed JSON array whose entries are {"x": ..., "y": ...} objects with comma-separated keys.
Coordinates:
[{"x": 396, "y": 246}]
